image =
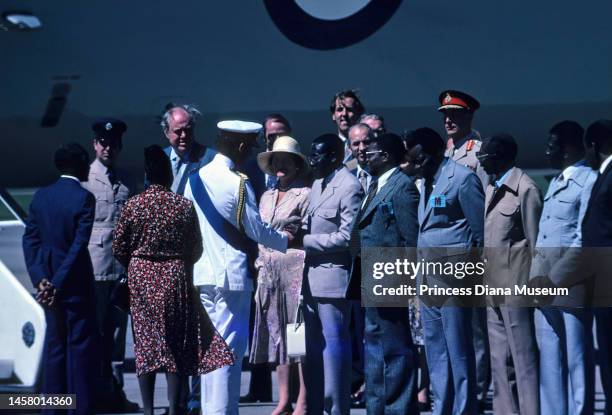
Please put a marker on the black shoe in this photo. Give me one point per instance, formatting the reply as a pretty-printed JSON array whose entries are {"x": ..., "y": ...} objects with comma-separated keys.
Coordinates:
[
  {"x": 358, "y": 400},
  {"x": 248, "y": 398},
  {"x": 117, "y": 405}
]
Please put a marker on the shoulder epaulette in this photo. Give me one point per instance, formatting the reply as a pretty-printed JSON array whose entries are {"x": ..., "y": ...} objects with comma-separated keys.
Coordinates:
[{"x": 241, "y": 199}]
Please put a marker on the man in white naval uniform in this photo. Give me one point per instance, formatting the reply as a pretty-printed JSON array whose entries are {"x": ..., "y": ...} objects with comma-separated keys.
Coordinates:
[{"x": 229, "y": 220}]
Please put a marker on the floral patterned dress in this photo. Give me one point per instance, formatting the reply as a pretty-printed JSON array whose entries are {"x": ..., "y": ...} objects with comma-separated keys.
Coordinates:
[
  {"x": 279, "y": 280},
  {"x": 158, "y": 240}
]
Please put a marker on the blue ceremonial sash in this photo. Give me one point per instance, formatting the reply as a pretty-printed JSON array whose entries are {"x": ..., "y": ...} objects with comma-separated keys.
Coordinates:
[{"x": 221, "y": 226}]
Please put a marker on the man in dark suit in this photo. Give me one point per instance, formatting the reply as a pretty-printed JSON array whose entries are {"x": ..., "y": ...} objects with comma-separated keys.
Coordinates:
[
  {"x": 451, "y": 218},
  {"x": 387, "y": 218},
  {"x": 186, "y": 155},
  {"x": 597, "y": 240},
  {"x": 55, "y": 241}
]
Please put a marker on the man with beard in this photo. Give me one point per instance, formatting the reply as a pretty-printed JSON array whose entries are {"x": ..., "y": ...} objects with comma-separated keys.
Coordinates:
[
  {"x": 333, "y": 203},
  {"x": 111, "y": 189},
  {"x": 345, "y": 108},
  {"x": 597, "y": 237}
]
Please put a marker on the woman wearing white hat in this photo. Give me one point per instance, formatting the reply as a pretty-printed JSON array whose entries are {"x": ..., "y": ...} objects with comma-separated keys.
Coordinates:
[{"x": 279, "y": 280}]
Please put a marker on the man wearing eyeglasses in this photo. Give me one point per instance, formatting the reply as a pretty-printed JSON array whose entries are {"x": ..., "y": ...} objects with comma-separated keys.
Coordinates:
[
  {"x": 186, "y": 155},
  {"x": 513, "y": 205},
  {"x": 111, "y": 188},
  {"x": 387, "y": 218}
]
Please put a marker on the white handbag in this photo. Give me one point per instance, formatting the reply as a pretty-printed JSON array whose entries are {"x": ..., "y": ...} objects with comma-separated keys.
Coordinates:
[{"x": 296, "y": 334}]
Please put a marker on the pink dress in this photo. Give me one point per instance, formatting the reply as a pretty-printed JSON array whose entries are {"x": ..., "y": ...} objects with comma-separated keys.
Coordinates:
[{"x": 279, "y": 280}]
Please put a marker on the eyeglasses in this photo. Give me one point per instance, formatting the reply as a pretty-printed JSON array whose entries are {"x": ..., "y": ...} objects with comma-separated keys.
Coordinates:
[
  {"x": 369, "y": 153},
  {"x": 483, "y": 156}
]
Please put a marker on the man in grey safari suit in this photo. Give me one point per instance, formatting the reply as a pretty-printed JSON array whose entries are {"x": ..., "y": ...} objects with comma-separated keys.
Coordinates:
[
  {"x": 111, "y": 190},
  {"x": 333, "y": 203}
]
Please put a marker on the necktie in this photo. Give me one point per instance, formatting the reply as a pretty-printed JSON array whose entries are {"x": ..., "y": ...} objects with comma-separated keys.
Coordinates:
[
  {"x": 363, "y": 179},
  {"x": 112, "y": 178},
  {"x": 371, "y": 193},
  {"x": 177, "y": 165},
  {"x": 355, "y": 241}
]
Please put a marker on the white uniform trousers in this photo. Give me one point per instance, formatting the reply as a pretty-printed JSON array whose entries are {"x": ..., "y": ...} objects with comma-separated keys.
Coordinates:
[{"x": 229, "y": 312}]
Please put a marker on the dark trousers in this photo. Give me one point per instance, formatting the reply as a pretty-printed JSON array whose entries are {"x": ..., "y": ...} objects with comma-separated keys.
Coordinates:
[
  {"x": 112, "y": 323},
  {"x": 391, "y": 362},
  {"x": 71, "y": 356},
  {"x": 603, "y": 321}
]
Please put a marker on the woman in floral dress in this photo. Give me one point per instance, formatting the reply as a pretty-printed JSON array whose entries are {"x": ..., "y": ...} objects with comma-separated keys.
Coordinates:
[
  {"x": 279, "y": 279},
  {"x": 158, "y": 240}
]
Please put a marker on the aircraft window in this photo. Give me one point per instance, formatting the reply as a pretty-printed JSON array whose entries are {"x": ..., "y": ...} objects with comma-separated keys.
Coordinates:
[{"x": 14, "y": 203}]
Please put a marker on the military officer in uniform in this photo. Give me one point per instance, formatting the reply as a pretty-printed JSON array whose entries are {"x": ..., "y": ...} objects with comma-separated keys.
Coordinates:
[
  {"x": 463, "y": 142},
  {"x": 462, "y": 145},
  {"x": 229, "y": 221},
  {"x": 111, "y": 190}
]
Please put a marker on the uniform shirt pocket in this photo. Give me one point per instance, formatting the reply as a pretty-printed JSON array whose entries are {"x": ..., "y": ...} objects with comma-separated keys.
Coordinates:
[
  {"x": 565, "y": 208},
  {"x": 329, "y": 214}
]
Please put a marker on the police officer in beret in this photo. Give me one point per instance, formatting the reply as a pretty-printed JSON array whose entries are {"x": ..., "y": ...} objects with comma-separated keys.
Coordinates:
[
  {"x": 462, "y": 145},
  {"x": 111, "y": 190}
]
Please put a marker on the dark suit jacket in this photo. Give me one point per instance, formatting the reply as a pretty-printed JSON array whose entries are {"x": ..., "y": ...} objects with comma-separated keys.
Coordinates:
[
  {"x": 597, "y": 222},
  {"x": 389, "y": 221},
  {"x": 55, "y": 241},
  {"x": 597, "y": 237},
  {"x": 199, "y": 156}
]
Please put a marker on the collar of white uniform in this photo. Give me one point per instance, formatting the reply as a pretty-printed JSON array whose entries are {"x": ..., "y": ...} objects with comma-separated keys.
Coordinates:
[{"x": 224, "y": 160}]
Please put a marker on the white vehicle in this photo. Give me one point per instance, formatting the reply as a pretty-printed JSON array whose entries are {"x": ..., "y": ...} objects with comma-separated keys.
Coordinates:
[{"x": 22, "y": 320}]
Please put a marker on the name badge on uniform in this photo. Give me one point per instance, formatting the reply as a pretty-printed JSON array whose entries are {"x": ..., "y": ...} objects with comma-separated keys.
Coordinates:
[{"x": 437, "y": 201}]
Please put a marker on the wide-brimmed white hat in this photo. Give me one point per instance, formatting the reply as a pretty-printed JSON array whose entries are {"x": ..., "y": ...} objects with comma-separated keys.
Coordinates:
[{"x": 283, "y": 144}]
